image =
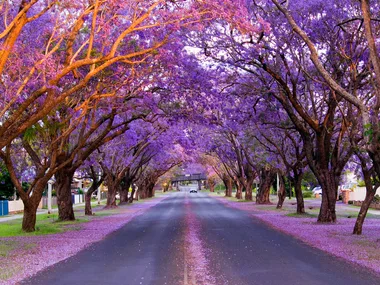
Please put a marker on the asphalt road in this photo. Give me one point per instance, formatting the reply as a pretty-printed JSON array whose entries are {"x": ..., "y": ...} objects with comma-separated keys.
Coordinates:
[
  {"x": 239, "y": 250},
  {"x": 148, "y": 250}
]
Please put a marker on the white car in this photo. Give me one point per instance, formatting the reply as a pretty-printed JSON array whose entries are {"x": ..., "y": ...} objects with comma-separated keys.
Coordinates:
[{"x": 317, "y": 190}]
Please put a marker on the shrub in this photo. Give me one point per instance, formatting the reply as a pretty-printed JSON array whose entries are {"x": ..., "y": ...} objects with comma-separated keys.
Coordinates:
[
  {"x": 351, "y": 202},
  {"x": 308, "y": 194},
  {"x": 376, "y": 199}
]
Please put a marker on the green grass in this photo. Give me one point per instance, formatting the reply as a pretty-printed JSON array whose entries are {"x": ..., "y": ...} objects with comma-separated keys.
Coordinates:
[
  {"x": 346, "y": 214},
  {"x": 53, "y": 207},
  {"x": 107, "y": 212},
  {"x": 49, "y": 224},
  {"x": 46, "y": 224},
  {"x": 9, "y": 270},
  {"x": 306, "y": 215},
  {"x": 6, "y": 246}
]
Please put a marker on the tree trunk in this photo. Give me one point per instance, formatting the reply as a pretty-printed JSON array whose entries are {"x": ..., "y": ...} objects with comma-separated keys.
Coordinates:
[
  {"x": 63, "y": 187},
  {"x": 30, "y": 200},
  {"x": 124, "y": 196},
  {"x": 329, "y": 186},
  {"x": 142, "y": 193},
  {"x": 363, "y": 212},
  {"x": 113, "y": 186},
  {"x": 211, "y": 184},
  {"x": 239, "y": 189},
  {"x": 29, "y": 218},
  {"x": 228, "y": 184},
  {"x": 370, "y": 193},
  {"x": 248, "y": 190},
  {"x": 94, "y": 186},
  {"x": 124, "y": 191},
  {"x": 151, "y": 190},
  {"x": 281, "y": 193},
  {"x": 111, "y": 199},
  {"x": 298, "y": 193},
  {"x": 87, "y": 207},
  {"x": 266, "y": 180}
]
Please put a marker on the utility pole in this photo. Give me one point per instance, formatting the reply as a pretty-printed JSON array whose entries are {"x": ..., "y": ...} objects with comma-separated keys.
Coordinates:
[{"x": 50, "y": 190}]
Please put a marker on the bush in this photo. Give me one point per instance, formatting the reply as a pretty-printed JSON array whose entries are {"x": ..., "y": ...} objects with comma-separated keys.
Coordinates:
[
  {"x": 351, "y": 202},
  {"x": 376, "y": 199},
  {"x": 308, "y": 194}
]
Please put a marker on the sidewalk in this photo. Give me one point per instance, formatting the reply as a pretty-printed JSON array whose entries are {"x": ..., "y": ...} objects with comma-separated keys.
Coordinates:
[{"x": 39, "y": 212}]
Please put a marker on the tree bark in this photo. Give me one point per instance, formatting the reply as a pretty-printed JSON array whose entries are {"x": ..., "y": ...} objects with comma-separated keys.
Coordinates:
[
  {"x": 363, "y": 212},
  {"x": 63, "y": 187},
  {"x": 248, "y": 190},
  {"x": 327, "y": 213},
  {"x": 124, "y": 191},
  {"x": 281, "y": 193},
  {"x": 113, "y": 186},
  {"x": 370, "y": 194},
  {"x": 142, "y": 192},
  {"x": 239, "y": 189},
  {"x": 95, "y": 185},
  {"x": 298, "y": 193},
  {"x": 267, "y": 177},
  {"x": 29, "y": 218},
  {"x": 151, "y": 189},
  {"x": 124, "y": 195},
  {"x": 87, "y": 206},
  {"x": 228, "y": 184},
  {"x": 211, "y": 184}
]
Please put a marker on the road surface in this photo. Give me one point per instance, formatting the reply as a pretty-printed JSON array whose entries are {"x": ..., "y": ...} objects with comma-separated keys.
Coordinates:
[{"x": 153, "y": 249}]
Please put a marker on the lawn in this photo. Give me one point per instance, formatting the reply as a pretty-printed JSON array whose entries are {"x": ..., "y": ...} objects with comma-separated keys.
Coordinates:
[{"x": 46, "y": 224}]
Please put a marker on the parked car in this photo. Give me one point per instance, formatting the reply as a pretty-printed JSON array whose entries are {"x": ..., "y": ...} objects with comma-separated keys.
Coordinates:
[
  {"x": 193, "y": 191},
  {"x": 317, "y": 190}
]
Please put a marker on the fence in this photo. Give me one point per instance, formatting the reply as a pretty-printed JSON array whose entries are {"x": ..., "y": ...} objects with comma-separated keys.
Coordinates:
[
  {"x": 359, "y": 194},
  {"x": 16, "y": 206},
  {"x": 7, "y": 207},
  {"x": 45, "y": 202}
]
